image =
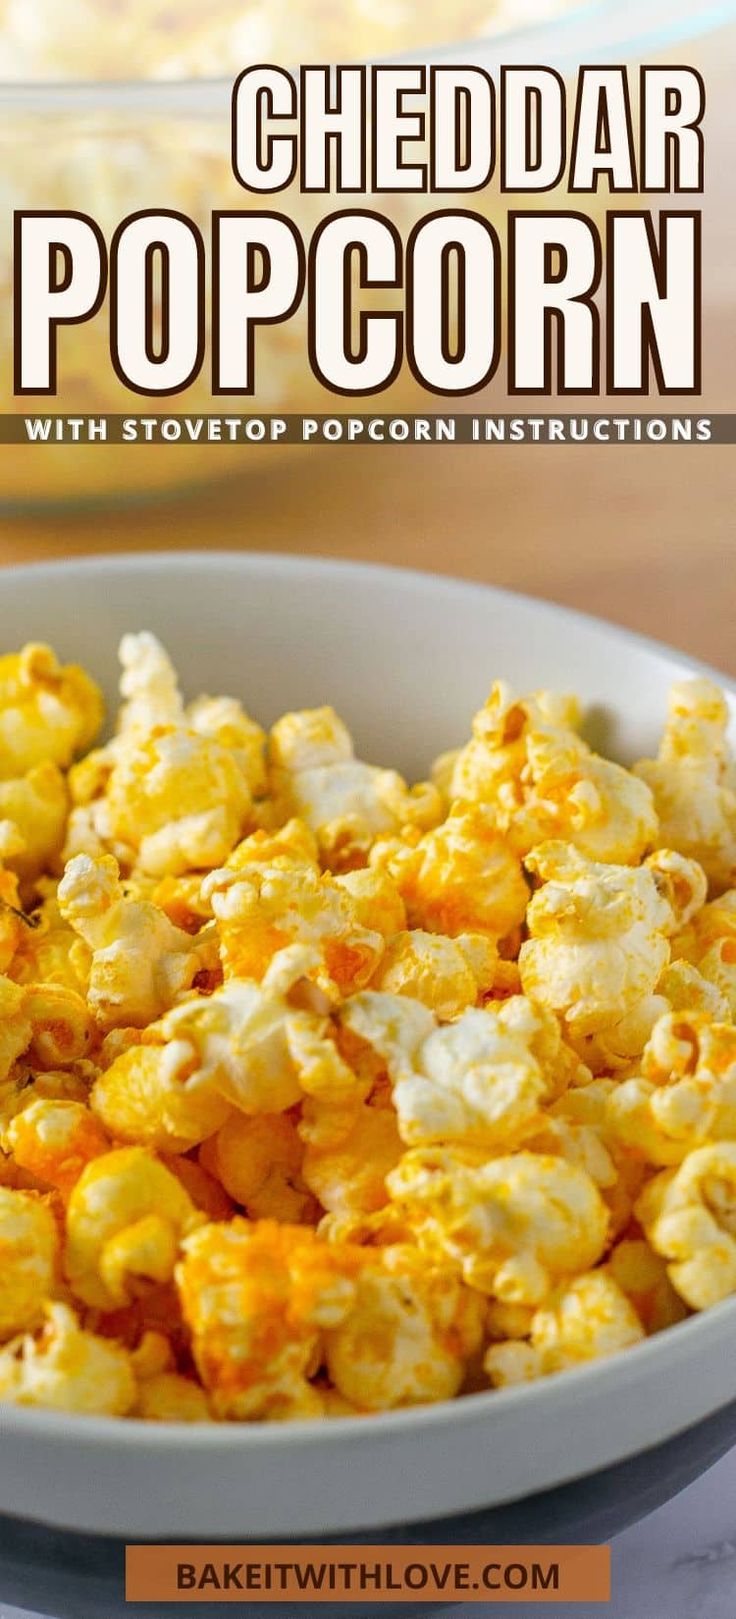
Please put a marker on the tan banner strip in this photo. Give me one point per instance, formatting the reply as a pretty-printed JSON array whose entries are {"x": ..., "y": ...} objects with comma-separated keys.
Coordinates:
[{"x": 367, "y": 1573}]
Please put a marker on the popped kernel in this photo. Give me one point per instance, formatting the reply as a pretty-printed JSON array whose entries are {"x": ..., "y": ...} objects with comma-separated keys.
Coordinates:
[
  {"x": 541, "y": 781},
  {"x": 48, "y": 712},
  {"x": 346, "y": 803},
  {"x": 407, "y": 1337},
  {"x": 693, "y": 780},
  {"x": 259, "y": 1163},
  {"x": 257, "y": 1298},
  {"x": 54, "y": 1140},
  {"x": 514, "y": 1224},
  {"x": 685, "y": 1095},
  {"x": 140, "y": 963},
  {"x": 599, "y": 942},
  {"x": 28, "y": 1255},
  {"x": 447, "y": 975},
  {"x": 66, "y": 1368},
  {"x": 262, "y": 909},
  {"x": 126, "y": 1219},
  {"x": 689, "y": 1216},
  {"x": 461, "y": 878},
  {"x": 586, "y": 1319}
]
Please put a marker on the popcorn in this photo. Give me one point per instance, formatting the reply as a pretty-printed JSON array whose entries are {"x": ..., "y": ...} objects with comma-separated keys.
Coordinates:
[
  {"x": 137, "y": 38},
  {"x": 259, "y": 1163},
  {"x": 171, "y": 1398},
  {"x": 642, "y": 1276},
  {"x": 65, "y": 1368},
  {"x": 446, "y": 975},
  {"x": 689, "y": 1216},
  {"x": 47, "y": 950},
  {"x": 149, "y": 1097},
  {"x": 693, "y": 781},
  {"x": 253, "y": 1046},
  {"x": 461, "y": 878},
  {"x": 408, "y": 1336},
  {"x": 48, "y": 713},
  {"x": 257, "y": 1298},
  {"x": 686, "y": 1093},
  {"x": 36, "y": 805},
  {"x": 140, "y": 962},
  {"x": 481, "y": 1081},
  {"x": 708, "y": 943},
  {"x": 46, "y": 1023},
  {"x": 263, "y": 909},
  {"x": 126, "y": 1218},
  {"x": 514, "y": 1225},
  {"x": 28, "y": 1253},
  {"x": 541, "y": 781},
  {"x": 167, "y": 794},
  {"x": 585, "y": 1319},
  {"x": 426, "y": 1069},
  {"x": 346, "y": 803},
  {"x": 163, "y": 1394},
  {"x": 347, "y": 1171},
  {"x": 176, "y": 800},
  {"x": 599, "y": 941},
  {"x": 55, "y": 1140}
]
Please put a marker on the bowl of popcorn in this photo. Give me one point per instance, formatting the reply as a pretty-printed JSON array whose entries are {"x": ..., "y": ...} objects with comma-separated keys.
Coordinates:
[{"x": 367, "y": 1058}]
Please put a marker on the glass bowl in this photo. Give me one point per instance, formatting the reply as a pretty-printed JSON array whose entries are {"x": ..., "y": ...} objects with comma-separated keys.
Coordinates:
[{"x": 113, "y": 147}]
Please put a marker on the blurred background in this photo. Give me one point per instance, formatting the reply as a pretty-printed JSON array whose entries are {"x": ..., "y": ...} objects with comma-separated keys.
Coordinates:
[{"x": 642, "y": 535}]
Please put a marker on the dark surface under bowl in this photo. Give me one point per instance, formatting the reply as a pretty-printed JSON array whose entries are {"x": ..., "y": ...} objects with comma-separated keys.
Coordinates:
[{"x": 73, "y": 1576}]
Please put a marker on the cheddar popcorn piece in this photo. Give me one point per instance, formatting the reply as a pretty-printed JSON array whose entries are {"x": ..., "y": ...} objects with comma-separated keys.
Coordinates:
[
  {"x": 514, "y": 1224},
  {"x": 126, "y": 1218},
  {"x": 539, "y": 779},
  {"x": 257, "y": 1298},
  {"x": 48, "y": 951},
  {"x": 261, "y": 910},
  {"x": 461, "y": 878},
  {"x": 689, "y": 1216},
  {"x": 347, "y": 1168},
  {"x": 446, "y": 975},
  {"x": 408, "y": 1336},
  {"x": 140, "y": 963},
  {"x": 66, "y": 1368},
  {"x": 150, "y": 1097},
  {"x": 167, "y": 794},
  {"x": 642, "y": 1276},
  {"x": 708, "y": 943},
  {"x": 28, "y": 1254},
  {"x": 54, "y": 1140},
  {"x": 685, "y": 1095},
  {"x": 48, "y": 712},
  {"x": 259, "y": 1163},
  {"x": 346, "y": 803},
  {"x": 585, "y": 1319},
  {"x": 480, "y": 1081},
  {"x": 253, "y": 1045},
  {"x": 47, "y": 1024},
  {"x": 36, "y": 805},
  {"x": 163, "y": 1394},
  {"x": 693, "y": 780},
  {"x": 176, "y": 800},
  {"x": 599, "y": 941}
]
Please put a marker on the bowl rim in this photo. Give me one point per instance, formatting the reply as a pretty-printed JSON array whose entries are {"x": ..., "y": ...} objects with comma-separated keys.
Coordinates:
[
  {"x": 608, "y": 23},
  {"x": 681, "y": 1340}
]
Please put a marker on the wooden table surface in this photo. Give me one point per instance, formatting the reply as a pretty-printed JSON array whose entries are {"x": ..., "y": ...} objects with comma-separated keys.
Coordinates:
[{"x": 644, "y": 536}]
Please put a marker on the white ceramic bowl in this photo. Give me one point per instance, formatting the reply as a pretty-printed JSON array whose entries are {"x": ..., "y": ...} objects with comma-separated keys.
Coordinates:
[{"x": 406, "y": 658}]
